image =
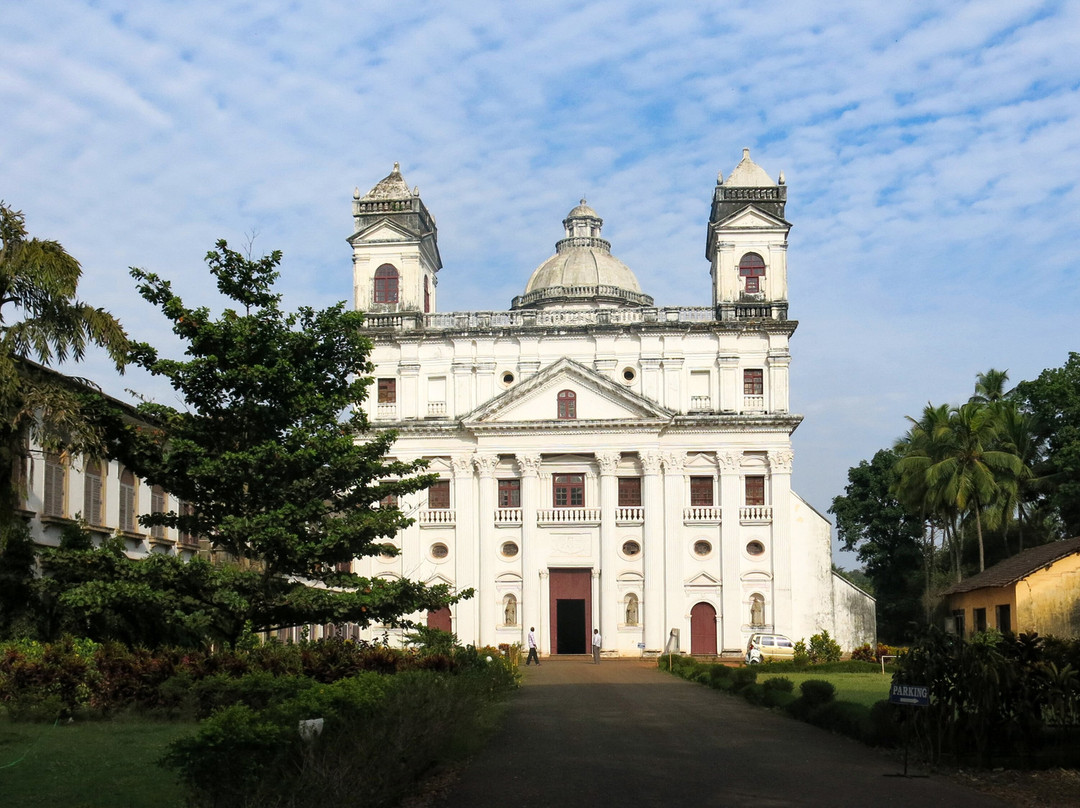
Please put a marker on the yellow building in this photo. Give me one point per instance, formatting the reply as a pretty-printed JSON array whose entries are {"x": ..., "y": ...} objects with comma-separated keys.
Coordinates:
[{"x": 1037, "y": 590}]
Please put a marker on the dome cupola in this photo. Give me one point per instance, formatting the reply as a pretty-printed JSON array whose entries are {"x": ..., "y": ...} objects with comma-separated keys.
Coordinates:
[{"x": 583, "y": 273}]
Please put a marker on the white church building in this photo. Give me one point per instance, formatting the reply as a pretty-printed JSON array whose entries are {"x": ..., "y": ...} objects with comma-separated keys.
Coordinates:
[{"x": 604, "y": 463}]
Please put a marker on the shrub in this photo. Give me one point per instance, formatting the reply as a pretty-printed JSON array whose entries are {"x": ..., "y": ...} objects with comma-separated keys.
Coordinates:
[
  {"x": 742, "y": 677},
  {"x": 801, "y": 657},
  {"x": 817, "y": 691},
  {"x": 780, "y": 684},
  {"x": 823, "y": 648},
  {"x": 844, "y": 717},
  {"x": 864, "y": 653}
]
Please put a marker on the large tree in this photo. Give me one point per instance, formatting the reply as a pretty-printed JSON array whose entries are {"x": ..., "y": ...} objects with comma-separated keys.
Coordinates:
[
  {"x": 42, "y": 322},
  {"x": 887, "y": 538},
  {"x": 271, "y": 454},
  {"x": 1054, "y": 400}
]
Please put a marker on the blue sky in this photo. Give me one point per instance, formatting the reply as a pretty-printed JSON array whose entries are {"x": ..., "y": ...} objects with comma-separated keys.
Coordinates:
[{"x": 931, "y": 152}]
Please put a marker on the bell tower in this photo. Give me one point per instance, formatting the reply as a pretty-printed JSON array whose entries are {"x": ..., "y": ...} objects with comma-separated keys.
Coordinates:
[
  {"x": 747, "y": 244},
  {"x": 395, "y": 248}
]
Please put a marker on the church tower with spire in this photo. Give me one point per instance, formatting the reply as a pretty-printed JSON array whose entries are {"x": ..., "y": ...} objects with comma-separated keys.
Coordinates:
[{"x": 395, "y": 248}]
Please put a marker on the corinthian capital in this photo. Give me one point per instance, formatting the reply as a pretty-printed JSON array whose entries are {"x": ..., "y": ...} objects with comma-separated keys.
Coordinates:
[
  {"x": 781, "y": 460},
  {"x": 529, "y": 464},
  {"x": 485, "y": 463},
  {"x": 608, "y": 461}
]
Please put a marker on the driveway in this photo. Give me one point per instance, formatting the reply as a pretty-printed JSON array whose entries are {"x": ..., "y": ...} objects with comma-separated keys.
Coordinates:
[{"x": 623, "y": 733}]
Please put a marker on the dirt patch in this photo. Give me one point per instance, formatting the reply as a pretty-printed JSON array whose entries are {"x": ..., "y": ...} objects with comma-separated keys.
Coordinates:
[{"x": 1054, "y": 788}]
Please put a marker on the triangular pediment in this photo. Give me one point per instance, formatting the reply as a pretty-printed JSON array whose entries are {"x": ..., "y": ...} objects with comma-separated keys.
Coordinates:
[
  {"x": 751, "y": 218},
  {"x": 596, "y": 398},
  {"x": 439, "y": 580},
  {"x": 703, "y": 579},
  {"x": 382, "y": 231}
]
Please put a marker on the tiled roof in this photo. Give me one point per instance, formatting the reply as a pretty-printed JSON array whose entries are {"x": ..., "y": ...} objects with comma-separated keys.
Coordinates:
[{"x": 1018, "y": 566}]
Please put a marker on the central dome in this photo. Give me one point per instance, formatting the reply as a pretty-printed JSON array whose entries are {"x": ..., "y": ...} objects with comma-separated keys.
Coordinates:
[{"x": 583, "y": 274}]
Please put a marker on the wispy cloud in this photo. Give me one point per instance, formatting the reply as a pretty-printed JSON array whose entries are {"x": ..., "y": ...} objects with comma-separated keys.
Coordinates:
[{"x": 931, "y": 150}]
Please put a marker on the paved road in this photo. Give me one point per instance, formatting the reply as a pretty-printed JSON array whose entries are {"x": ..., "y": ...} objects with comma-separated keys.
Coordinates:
[{"x": 623, "y": 733}]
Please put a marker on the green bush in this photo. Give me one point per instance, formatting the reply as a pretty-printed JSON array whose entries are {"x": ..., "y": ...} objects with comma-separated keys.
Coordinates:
[
  {"x": 823, "y": 648},
  {"x": 817, "y": 691},
  {"x": 779, "y": 683},
  {"x": 844, "y": 717},
  {"x": 398, "y": 726},
  {"x": 742, "y": 677}
]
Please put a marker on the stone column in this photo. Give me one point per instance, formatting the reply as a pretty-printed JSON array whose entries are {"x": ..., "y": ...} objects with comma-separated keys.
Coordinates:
[
  {"x": 676, "y": 611},
  {"x": 731, "y": 394},
  {"x": 531, "y": 612},
  {"x": 409, "y": 398},
  {"x": 543, "y": 638},
  {"x": 778, "y": 364},
  {"x": 652, "y": 605},
  {"x": 486, "y": 592},
  {"x": 731, "y": 548},
  {"x": 779, "y": 490},
  {"x": 608, "y": 597},
  {"x": 466, "y": 622},
  {"x": 460, "y": 393}
]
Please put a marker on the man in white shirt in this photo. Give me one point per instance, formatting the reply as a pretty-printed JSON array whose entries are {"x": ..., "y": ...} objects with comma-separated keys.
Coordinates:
[
  {"x": 532, "y": 647},
  {"x": 596, "y": 646}
]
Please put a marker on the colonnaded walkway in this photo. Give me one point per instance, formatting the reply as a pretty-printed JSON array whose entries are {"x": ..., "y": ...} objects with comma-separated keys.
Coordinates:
[{"x": 623, "y": 733}]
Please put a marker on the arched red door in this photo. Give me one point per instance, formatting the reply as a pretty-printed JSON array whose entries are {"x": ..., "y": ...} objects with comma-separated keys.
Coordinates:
[
  {"x": 703, "y": 629},
  {"x": 439, "y": 619}
]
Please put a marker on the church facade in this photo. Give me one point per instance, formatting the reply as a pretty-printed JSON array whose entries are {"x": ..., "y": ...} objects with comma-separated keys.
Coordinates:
[{"x": 604, "y": 463}]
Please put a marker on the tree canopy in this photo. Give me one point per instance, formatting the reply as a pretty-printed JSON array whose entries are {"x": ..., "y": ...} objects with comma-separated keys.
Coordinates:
[
  {"x": 43, "y": 322},
  {"x": 271, "y": 458}
]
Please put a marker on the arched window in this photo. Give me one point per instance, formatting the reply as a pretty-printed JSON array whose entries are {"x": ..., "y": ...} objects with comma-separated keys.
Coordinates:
[
  {"x": 157, "y": 505},
  {"x": 127, "y": 501},
  {"x": 386, "y": 284},
  {"x": 93, "y": 484},
  {"x": 55, "y": 484},
  {"x": 427, "y": 295},
  {"x": 752, "y": 267},
  {"x": 567, "y": 405}
]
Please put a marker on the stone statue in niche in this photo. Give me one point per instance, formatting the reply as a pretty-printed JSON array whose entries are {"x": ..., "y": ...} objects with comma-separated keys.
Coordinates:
[
  {"x": 757, "y": 610},
  {"x": 631, "y": 610},
  {"x": 510, "y": 611}
]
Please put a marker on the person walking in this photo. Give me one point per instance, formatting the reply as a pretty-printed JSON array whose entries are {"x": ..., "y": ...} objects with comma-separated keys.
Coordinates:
[
  {"x": 596, "y": 646},
  {"x": 532, "y": 648}
]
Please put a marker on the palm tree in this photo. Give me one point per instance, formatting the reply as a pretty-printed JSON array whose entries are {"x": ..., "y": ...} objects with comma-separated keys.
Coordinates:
[
  {"x": 990, "y": 386},
  {"x": 967, "y": 473},
  {"x": 41, "y": 321},
  {"x": 1019, "y": 435},
  {"x": 918, "y": 448}
]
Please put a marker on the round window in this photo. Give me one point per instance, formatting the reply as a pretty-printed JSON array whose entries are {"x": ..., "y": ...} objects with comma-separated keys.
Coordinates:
[
  {"x": 439, "y": 550},
  {"x": 629, "y": 374},
  {"x": 509, "y": 549},
  {"x": 508, "y": 378},
  {"x": 631, "y": 548},
  {"x": 755, "y": 548},
  {"x": 702, "y": 547},
  {"x": 388, "y": 553}
]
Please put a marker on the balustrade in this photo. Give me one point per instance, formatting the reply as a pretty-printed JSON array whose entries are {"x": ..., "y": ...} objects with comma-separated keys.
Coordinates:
[
  {"x": 508, "y": 516},
  {"x": 753, "y": 403},
  {"x": 568, "y": 516},
  {"x": 436, "y": 409},
  {"x": 755, "y": 513},
  {"x": 437, "y": 516},
  {"x": 701, "y": 513},
  {"x": 700, "y": 403},
  {"x": 630, "y": 515}
]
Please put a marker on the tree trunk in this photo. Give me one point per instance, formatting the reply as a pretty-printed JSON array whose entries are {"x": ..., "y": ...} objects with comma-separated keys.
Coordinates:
[{"x": 978, "y": 532}]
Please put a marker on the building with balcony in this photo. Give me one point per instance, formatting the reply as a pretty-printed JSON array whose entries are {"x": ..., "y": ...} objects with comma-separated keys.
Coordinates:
[{"x": 603, "y": 462}]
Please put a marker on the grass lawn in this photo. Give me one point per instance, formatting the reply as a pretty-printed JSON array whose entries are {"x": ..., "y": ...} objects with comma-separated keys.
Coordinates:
[
  {"x": 88, "y": 765},
  {"x": 862, "y": 688}
]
